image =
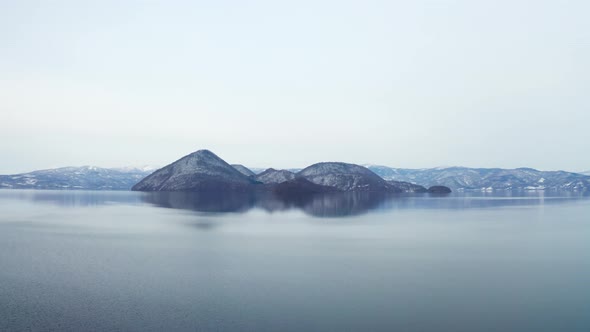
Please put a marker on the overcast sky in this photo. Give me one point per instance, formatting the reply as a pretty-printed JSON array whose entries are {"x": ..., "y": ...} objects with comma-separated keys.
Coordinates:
[{"x": 289, "y": 83}]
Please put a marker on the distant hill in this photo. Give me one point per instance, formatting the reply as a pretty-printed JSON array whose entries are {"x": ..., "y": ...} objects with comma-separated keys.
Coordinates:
[
  {"x": 243, "y": 169},
  {"x": 257, "y": 170},
  {"x": 463, "y": 178},
  {"x": 76, "y": 178},
  {"x": 272, "y": 175}
]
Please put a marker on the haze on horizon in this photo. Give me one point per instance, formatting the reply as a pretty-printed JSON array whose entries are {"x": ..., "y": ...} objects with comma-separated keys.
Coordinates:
[{"x": 409, "y": 84}]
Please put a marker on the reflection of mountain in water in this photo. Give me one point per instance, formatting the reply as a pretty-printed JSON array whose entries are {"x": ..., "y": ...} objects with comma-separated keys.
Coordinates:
[
  {"x": 319, "y": 205},
  {"x": 342, "y": 204},
  {"x": 218, "y": 202},
  {"x": 70, "y": 198}
]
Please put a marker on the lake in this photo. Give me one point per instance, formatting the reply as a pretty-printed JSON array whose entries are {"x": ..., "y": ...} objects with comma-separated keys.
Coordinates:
[{"x": 128, "y": 261}]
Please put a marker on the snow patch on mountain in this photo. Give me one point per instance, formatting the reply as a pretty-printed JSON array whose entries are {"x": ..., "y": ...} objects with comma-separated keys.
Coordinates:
[{"x": 142, "y": 168}]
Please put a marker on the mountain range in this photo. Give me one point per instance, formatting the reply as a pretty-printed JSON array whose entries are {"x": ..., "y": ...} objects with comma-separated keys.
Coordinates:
[
  {"x": 80, "y": 178},
  {"x": 321, "y": 176},
  {"x": 487, "y": 179}
]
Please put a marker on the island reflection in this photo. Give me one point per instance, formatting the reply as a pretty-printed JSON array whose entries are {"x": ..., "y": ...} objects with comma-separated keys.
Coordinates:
[
  {"x": 347, "y": 204},
  {"x": 318, "y": 205}
]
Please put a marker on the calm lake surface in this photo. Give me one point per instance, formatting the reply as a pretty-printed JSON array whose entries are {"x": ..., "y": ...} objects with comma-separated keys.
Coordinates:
[{"x": 126, "y": 261}]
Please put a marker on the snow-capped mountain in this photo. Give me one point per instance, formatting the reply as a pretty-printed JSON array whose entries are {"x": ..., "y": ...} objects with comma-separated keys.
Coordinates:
[
  {"x": 143, "y": 168},
  {"x": 81, "y": 178},
  {"x": 463, "y": 178},
  {"x": 272, "y": 175},
  {"x": 198, "y": 171},
  {"x": 345, "y": 177}
]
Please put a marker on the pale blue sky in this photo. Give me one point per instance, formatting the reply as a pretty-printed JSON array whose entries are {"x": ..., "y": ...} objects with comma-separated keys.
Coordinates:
[{"x": 290, "y": 83}]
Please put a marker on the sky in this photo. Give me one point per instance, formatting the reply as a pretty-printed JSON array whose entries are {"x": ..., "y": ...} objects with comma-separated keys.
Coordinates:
[{"x": 411, "y": 84}]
